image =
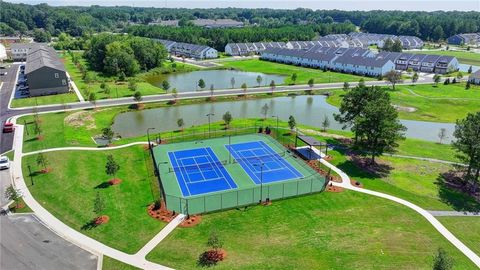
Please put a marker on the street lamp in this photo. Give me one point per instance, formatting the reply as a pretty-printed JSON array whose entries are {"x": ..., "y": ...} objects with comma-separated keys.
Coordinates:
[
  {"x": 148, "y": 136},
  {"x": 276, "y": 116},
  {"x": 209, "y": 115},
  {"x": 261, "y": 164}
]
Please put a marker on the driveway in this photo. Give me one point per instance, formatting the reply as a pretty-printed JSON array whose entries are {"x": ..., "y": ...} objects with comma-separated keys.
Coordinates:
[{"x": 26, "y": 244}]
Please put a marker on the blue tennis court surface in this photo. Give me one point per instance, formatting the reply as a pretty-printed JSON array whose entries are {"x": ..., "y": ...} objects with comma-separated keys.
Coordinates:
[
  {"x": 199, "y": 171},
  {"x": 251, "y": 156}
]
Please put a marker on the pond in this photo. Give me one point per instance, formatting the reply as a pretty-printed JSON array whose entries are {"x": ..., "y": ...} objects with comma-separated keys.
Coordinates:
[
  {"x": 220, "y": 79},
  {"x": 308, "y": 110}
]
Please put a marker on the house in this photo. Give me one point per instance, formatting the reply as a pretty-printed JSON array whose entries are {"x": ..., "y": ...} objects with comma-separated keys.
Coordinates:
[
  {"x": 411, "y": 42},
  {"x": 45, "y": 72},
  {"x": 465, "y": 39},
  {"x": 446, "y": 64},
  {"x": 166, "y": 43},
  {"x": 475, "y": 77}
]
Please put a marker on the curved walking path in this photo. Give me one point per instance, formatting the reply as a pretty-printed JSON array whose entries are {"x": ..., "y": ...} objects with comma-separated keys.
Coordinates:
[
  {"x": 138, "y": 259},
  {"x": 440, "y": 98},
  {"x": 454, "y": 214}
]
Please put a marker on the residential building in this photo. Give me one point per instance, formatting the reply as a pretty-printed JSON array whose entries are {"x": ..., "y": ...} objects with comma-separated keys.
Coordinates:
[
  {"x": 239, "y": 49},
  {"x": 45, "y": 72},
  {"x": 465, "y": 39},
  {"x": 15, "y": 39},
  {"x": 475, "y": 77},
  {"x": 3, "y": 53},
  {"x": 218, "y": 23},
  {"x": 422, "y": 62},
  {"x": 188, "y": 50}
]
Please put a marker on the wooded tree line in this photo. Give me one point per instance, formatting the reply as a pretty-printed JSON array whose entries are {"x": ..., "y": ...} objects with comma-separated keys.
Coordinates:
[
  {"x": 123, "y": 55},
  {"x": 79, "y": 20},
  {"x": 218, "y": 38}
]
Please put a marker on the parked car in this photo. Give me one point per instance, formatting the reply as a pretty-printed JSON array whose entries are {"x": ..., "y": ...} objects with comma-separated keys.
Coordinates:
[
  {"x": 3, "y": 73},
  {"x": 8, "y": 127},
  {"x": 4, "y": 163}
]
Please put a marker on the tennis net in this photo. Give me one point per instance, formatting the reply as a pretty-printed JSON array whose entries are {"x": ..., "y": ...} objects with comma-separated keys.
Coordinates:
[
  {"x": 261, "y": 158},
  {"x": 198, "y": 167}
]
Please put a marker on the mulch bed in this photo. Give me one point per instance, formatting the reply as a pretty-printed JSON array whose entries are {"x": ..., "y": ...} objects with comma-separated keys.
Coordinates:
[
  {"x": 161, "y": 213},
  {"x": 191, "y": 221},
  {"x": 314, "y": 164},
  {"x": 47, "y": 170},
  {"x": 355, "y": 183},
  {"x": 335, "y": 189},
  {"x": 102, "y": 220},
  {"x": 40, "y": 138},
  {"x": 115, "y": 181}
]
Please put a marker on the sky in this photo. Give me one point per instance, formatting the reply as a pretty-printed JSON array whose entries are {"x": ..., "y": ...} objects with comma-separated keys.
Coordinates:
[{"x": 420, "y": 5}]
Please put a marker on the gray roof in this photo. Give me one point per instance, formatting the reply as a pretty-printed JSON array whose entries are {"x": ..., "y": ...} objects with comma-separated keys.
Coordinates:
[
  {"x": 40, "y": 56},
  {"x": 475, "y": 75}
]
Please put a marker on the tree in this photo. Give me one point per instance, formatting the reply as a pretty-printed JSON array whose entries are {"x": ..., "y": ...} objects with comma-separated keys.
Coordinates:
[
  {"x": 265, "y": 109},
  {"x": 212, "y": 89},
  {"x": 397, "y": 46},
  {"x": 325, "y": 123},
  {"x": 108, "y": 134},
  {"x": 42, "y": 161},
  {"x": 98, "y": 204},
  {"x": 244, "y": 87},
  {"x": 214, "y": 241},
  {"x": 294, "y": 78},
  {"x": 437, "y": 33},
  {"x": 180, "y": 123},
  {"x": 346, "y": 86},
  {"x": 137, "y": 96},
  {"x": 132, "y": 84},
  {"x": 232, "y": 82},
  {"x": 437, "y": 78},
  {"x": 111, "y": 167},
  {"x": 441, "y": 261},
  {"x": 459, "y": 75},
  {"x": 378, "y": 128},
  {"x": 442, "y": 134},
  {"x": 201, "y": 84},
  {"x": 174, "y": 94},
  {"x": 291, "y": 122},
  {"x": 470, "y": 70},
  {"x": 415, "y": 77},
  {"x": 467, "y": 141},
  {"x": 272, "y": 87},
  {"x": 227, "y": 118},
  {"x": 165, "y": 85},
  {"x": 311, "y": 83},
  {"x": 40, "y": 35},
  {"x": 361, "y": 82},
  {"x": 259, "y": 80},
  {"x": 121, "y": 76},
  {"x": 387, "y": 45},
  {"x": 13, "y": 194},
  {"x": 467, "y": 86},
  {"x": 106, "y": 89},
  {"x": 393, "y": 77}
]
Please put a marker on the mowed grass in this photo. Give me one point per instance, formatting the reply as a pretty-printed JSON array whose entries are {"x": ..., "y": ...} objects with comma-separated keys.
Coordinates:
[
  {"x": 464, "y": 57},
  {"x": 117, "y": 89},
  {"x": 304, "y": 74},
  {"x": 69, "y": 190},
  {"x": 466, "y": 229},
  {"x": 442, "y": 103},
  {"x": 345, "y": 230},
  {"x": 44, "y": 100},
  {"x": 112, "y": 264}
]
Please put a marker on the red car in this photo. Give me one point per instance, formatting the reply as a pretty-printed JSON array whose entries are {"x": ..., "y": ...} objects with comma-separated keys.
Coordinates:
[{"x": 8, "y": 127}]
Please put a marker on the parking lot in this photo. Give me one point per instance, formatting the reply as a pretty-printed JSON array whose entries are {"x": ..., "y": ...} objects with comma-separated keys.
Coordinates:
[{"x": 21, "y": 86}]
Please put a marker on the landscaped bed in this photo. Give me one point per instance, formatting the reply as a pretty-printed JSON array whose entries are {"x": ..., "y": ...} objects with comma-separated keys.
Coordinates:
[{"x": 345, "y": 230}]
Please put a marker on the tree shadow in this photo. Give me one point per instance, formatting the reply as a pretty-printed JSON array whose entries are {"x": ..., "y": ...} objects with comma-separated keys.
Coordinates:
[
  {"x": 453, "y": 192},
  {"x": 103, "y": 185},
  {"x": 89, "y": 225}
]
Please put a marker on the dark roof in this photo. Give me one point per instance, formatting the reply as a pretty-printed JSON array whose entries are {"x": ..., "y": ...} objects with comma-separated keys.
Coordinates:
[
  {"x": 42, "y": 56},
  {"x": 310, "y": 140}
]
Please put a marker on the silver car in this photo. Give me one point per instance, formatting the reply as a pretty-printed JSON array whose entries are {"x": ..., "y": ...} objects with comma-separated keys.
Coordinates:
[{"x": 4, "y": 163}]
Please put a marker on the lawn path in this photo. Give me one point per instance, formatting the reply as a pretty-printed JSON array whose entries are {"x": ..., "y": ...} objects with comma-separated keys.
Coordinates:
[
  {"x": 454, "y": 214},
  {"x": 75, "y": 88}
]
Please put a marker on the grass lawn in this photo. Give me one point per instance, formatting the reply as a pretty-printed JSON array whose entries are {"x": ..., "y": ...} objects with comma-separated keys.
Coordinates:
[
  {"x": 69, "y": 190},
  {"x": 112, "y": 264},
  {"x": 466, "y": 229},
  {"x": 464, "y": 57},
  {"x": 444, "y": 103},
  {"x": 44, "y": 100},
  {"x": 323, "y": 231},
  {"x": 304, "y": 74},
  {"x": 119, "y": 89}
]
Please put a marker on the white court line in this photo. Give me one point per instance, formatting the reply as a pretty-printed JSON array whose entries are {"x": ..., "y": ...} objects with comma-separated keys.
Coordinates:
[
  {"x": 224, "y": 177},
  {"x": 183, "y": 177}
]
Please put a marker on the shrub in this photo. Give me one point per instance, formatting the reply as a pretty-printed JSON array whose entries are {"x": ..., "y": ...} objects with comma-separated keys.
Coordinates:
[{"x": 210, "y": 258}]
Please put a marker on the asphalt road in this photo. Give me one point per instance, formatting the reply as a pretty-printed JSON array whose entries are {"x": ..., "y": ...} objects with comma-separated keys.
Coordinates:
[
  {"x": 6, "y": 139},
  {"x": 27, "y": 245}
]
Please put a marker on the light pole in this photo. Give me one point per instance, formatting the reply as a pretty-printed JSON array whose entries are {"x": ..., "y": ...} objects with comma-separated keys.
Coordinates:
[
  {"x": 261, "y": 164},
  {"x": 209, "y": 115},
  {"x": 276, "y": 135},
  {"x": 148, "y": 136}
]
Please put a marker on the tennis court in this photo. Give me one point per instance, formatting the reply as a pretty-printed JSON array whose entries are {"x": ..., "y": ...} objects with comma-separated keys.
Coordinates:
[
  {"x": 262, "y": 163},
  {"x": 199, "y": 171}
]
